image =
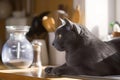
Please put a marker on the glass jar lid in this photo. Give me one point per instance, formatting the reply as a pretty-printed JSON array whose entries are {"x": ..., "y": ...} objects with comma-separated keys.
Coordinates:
[{"x": 17, "y": 28}]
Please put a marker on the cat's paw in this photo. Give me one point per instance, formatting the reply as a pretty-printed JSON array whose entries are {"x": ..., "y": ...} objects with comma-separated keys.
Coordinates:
[
  {"x": 48, "y": 70},
  {"x": 57, "y": 71},
  {"x": 53, "y": 71}
]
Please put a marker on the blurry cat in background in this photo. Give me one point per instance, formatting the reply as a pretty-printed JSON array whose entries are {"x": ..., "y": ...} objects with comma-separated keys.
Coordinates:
[{"x": 85, "y": 53}]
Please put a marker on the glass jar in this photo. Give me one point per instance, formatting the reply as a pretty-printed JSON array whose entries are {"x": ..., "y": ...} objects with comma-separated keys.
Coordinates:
[{"x": 17, "y": 52}]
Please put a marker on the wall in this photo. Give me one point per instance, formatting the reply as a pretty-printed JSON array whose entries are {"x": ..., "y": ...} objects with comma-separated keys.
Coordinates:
[
  {"x": 111, "y": 13},
  {"x": 99, "y": 14},
  {"x": 51, "y": 5},
  {"x": 118, "y": 10}
]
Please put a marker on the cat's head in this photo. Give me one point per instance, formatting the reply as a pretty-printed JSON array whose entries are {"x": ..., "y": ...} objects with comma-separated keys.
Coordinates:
[{"x": 66, "y": 35}]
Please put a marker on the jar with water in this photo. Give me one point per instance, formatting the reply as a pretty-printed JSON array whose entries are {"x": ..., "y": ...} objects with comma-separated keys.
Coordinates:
[{"x": 17, "y": 52}]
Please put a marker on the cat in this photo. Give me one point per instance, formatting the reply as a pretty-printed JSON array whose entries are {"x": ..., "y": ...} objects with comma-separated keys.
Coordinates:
[{"x": 85, "y": 53}]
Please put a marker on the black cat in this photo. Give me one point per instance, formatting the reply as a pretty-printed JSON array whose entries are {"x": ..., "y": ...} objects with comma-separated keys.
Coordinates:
[{"x": 85, "y": 53}]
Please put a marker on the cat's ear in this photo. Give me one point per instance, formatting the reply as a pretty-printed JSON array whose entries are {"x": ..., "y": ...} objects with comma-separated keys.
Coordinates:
[
  {"x": 78, "y": 28},
  {"x": 62, "y": 21},
  {"x": 68, "y": 24},
  {"x": 71, "y": 26}
]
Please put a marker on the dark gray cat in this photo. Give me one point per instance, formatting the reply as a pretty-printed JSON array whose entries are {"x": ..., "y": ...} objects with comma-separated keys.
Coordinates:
[{"x": 85, "y": 53}]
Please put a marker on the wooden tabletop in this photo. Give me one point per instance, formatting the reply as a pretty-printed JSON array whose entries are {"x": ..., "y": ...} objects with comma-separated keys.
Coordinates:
[{"x": 34, "y": 73}]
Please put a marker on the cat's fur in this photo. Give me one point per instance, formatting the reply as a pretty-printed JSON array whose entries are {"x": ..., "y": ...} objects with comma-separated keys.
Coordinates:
[{"x": 85, "y": 53}]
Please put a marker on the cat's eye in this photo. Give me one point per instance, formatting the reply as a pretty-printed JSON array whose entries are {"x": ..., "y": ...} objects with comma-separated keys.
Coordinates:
[{"x": 59, "y": 36}]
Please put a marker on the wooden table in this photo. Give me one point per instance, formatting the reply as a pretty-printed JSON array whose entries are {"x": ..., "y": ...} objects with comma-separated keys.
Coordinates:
[
  {"x": 39, "y": 74},
  {"x": 32, "y": 73}
]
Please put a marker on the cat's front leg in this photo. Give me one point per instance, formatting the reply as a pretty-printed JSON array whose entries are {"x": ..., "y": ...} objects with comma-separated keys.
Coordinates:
[{"x": 60, "y": 70}]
